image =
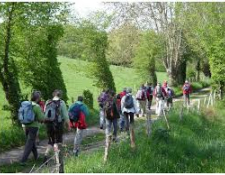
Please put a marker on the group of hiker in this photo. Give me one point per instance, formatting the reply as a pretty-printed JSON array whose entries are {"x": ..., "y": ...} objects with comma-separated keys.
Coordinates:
[
  {"x": 55, "y": 115},
  {"x": 114, "y": 108}
]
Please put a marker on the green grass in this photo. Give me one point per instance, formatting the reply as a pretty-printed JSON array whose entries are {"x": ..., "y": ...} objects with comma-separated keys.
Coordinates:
[
  {"x": 74, "y": 74},
  {"x": 194, "y": 145}
]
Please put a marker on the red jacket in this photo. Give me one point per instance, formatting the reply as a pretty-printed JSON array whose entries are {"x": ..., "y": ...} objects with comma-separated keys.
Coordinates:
[
  {"x": 187, "y": 91},
  {"x": 81, "y": 123}
]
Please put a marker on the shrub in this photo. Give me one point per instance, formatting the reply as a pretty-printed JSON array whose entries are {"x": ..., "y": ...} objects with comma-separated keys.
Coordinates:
[{"x": 88, "y": 98}]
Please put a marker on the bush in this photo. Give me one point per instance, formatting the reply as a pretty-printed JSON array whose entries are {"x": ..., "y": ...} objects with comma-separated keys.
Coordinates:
[{"x": 88, "y": 98}]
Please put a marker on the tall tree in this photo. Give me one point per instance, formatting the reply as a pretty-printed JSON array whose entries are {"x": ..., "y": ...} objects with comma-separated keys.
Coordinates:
[
  {"x": 40, "y": 46},
  {"x": 8, "y": 70},
  {"x": 148, "y": 51}
]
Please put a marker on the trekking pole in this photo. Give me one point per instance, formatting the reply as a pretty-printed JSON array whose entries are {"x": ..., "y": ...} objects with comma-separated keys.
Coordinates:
[{"x": 166, "y": 119}]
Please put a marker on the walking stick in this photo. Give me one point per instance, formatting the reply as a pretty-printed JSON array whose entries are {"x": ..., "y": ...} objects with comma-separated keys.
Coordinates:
[{"x": 166, "y": 119}]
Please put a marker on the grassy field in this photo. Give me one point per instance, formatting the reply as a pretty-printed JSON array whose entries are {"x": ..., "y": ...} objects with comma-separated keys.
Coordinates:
[
  {"x": 194, "y": 145},
  {"x": 74, "y": 74}
]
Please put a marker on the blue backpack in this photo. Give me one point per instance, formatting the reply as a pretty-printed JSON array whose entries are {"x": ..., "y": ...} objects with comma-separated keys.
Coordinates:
[
  {"x": 26, "y": 113},
  {"x": 74, "y": 112}
]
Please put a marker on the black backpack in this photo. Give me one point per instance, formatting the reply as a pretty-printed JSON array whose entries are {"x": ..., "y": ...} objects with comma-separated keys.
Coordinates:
[{"x": 129, "y": 102}]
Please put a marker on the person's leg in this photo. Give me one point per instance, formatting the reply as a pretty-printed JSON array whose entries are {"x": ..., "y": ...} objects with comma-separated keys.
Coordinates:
[
  {"x": 77, "y": 141},
  {"x": 188, "y": 99},
  {"x": 115, "y": 129},
  {"x": 51, "y": 140},
  {"x": 59, "y": 141},
  {"x": 101, "y": 114},
  {"x": 31, "y": 136},
  {"x": 132, "y": 137},
  {"x": 37, "y": 138},
  {"x": 122, "y": 121},
  {"x": 127, "y": 122},
  {"x": 159, "y": 107}
]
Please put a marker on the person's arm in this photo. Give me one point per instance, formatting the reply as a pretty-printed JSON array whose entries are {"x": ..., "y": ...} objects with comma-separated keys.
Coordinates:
[
  {"x": 136, "y": 108},
  {"x": 64, "y": 114},
  {"x": 39, "y": 114}
]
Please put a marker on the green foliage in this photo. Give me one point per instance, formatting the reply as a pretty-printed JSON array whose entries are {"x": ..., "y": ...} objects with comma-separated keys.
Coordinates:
[
  {"x": 194, "y": 145},
  {"x": 191, "y": 72},
  {"x": 88, "y": 98},
  {"x": 122, "y": 44},
  {"x": 148, "y": 52}
]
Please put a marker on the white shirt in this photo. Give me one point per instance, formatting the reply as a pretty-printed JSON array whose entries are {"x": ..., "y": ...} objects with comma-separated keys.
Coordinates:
[{"x": 134, "y": 109}]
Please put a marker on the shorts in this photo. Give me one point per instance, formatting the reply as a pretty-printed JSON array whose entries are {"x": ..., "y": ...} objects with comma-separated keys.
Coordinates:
[{"x": 55, "y": 133}]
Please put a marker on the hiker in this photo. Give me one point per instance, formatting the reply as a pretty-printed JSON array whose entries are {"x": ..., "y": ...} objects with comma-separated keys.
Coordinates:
[
  {"x": 101, "y": 100},
  {"x": 30, "y": 115},
  {"x": 149, "y": 93},
  {"x": 122, "y": 118},
  {"x": 141, "y": 97},
  {"x": 56, "y": 113},
  {"x": 160, "y": 95},
  {"x": 165, "y": 85},
  {"x": 129, "y": 108},
  {"x": 170, "y": 96},
  {"x": 77, "y": 114},
  {"x": 112, "y": 114},
  {"x": 186, "y": 93}
]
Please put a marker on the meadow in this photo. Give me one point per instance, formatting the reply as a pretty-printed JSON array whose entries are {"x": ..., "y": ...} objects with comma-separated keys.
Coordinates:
[{"x": 195, "y": 144}]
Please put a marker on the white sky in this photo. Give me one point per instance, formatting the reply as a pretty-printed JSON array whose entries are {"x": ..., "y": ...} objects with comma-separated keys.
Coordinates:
[{"x": 84, "y": 7}]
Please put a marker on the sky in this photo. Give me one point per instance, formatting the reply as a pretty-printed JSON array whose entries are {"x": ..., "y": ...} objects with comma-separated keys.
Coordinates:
[{"x": 84, "y": 7}]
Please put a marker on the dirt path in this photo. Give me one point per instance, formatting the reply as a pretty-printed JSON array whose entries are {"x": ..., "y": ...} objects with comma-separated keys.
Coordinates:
[{"x": 15, "y": 154}]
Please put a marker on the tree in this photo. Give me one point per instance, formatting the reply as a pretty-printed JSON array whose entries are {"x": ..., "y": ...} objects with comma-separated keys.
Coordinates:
[
  {"x": 148, "y": 51},
  {"x": 165, "y": 18},
  {"x": 39, "y": 65},
  {"x": 122, "y": 44},
  {"x": 8, "y": 70},
  {"x": 96, "y": 43}
]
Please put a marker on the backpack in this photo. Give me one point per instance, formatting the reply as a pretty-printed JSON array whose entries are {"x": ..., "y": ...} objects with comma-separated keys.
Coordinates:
[
  {"x": 74, "y": 112},
  {"x": 26, "y": 113},
  {"x": 109, "y": 109},
  {"x": 141, "y": 95},
  {"x": 170, "y": 93},
  {"x": 52, "y": 111},
  {"x": 128, "y": 103},
  {"x": 186, "y": 87},
  {"x": 159, "y": 93}
]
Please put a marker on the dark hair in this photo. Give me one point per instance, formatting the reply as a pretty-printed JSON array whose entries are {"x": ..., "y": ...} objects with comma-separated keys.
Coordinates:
[
  {"x": 112, "y": 93},
  {"x": 80, "y": 98},
  {"x": 57, "y": 93},
  {"x": 35, "y": 95}
]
